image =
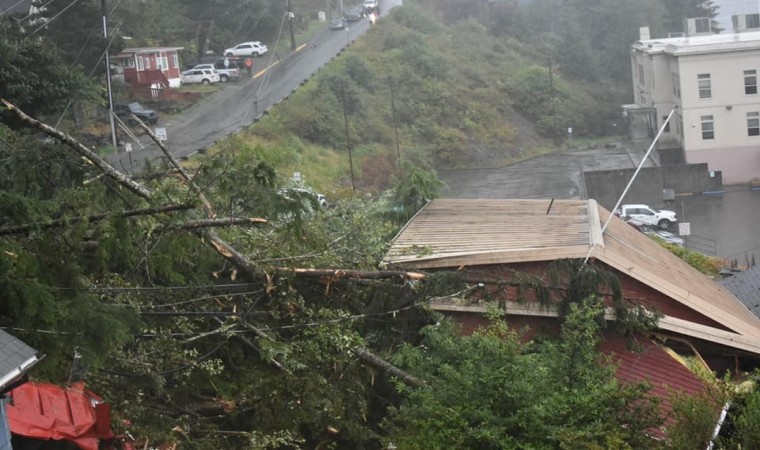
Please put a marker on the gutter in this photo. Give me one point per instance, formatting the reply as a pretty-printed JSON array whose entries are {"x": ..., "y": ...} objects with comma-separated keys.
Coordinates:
[{"x": 17, "y": 372}]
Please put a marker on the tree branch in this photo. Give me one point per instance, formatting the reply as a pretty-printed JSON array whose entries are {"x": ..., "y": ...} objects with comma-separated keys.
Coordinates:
[
  {"x": 221, "y": 222},
  {"x": 380, "y": 363},
  {"x": 93, "y": 157},
  {"x": 357, "y": 274},
  {"x": 25, "y": 228}
]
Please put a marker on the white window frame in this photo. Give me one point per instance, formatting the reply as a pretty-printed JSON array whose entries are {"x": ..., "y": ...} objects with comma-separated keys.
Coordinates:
[
  {"x": 175, "y": 60},
  {"x": 704, "y": 85},
  {"x": 750, "y": 82},
  {"x": 753, "y": 124},
  {"x": 147, "y": 63},
  {"x": 708, "y": 127},
  {"x": 140, "y": 64}
]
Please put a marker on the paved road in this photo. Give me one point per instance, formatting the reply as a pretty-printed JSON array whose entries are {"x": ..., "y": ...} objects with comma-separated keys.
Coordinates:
[{"x": 239, "y": 104}]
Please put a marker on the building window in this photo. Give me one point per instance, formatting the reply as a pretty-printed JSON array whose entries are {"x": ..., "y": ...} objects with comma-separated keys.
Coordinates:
[
  {"x": 750, "y": 82},
  {"x": 641, "y": 74},
  {"x": 676, "y": 84},
  {"x": 753, "y": 123},
  {"x": 140, "y": 65},
  {"x": 175, "y": 60},
  {"x": 708, "y": 128},
  {"x": 703, "y": 81},
  {"x": 752, "y": 21},
  {"x": 147, "y": 63},
  {"x": 667, "y": 124}
]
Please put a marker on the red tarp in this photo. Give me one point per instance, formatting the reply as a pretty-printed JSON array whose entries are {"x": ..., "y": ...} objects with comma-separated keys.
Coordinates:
[{"x": 46, "y": 411}]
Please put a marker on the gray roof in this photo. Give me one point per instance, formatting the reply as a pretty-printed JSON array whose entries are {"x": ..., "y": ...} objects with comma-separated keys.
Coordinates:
[
  {"x": 13, "y": 7},
  {"x": 746, "y": 287},
  {"x": 15, "y": 358}
]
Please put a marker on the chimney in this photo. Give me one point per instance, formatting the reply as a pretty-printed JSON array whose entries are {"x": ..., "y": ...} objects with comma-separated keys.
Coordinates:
[{"x": 644, "y": 34}]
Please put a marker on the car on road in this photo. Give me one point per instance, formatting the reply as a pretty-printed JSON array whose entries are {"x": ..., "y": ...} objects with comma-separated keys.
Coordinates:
[
  {"x": 125, "y": 111},
  {"x": 253, "y": 48},
  {"x": 202, "y": 76},
  {"x": 371, "y": 6},
  {"x": 354, "y": 14},
  {"x": 339, "y": 23}
]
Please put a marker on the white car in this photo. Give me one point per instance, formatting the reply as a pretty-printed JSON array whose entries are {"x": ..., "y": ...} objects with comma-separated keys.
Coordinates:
[
  {"x": 203, "y": 76},
  {"x": 254, "y": 48}
]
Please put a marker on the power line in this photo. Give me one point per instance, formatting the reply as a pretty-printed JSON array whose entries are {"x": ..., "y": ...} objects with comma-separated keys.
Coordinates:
[{"x": 52, "y": 19}]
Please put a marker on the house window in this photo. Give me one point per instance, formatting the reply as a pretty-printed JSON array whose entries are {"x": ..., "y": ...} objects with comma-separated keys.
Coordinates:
[
  {"x": 667, "y": 124},
  {"x": 165, "y": 62},
  {"x": 147, "y": 63},
  {"x": 175, "y": 60},
  {"x": 750, "y": 82},
  {"x": 140, "y": 65},
  {"x": 703, "y": 81},
  {"x": 641, "y": 74},
  {"x": 752, "y": 21},
  {"x": 753, "y": 123},
  {"x": 708, "y": 128}
]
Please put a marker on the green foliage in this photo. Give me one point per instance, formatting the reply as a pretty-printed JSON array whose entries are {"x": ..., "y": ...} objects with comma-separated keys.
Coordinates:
[
  {"x": 695, "y": 418},
  {"x": 747, "y": 421},
  {"x": 708, "y": 265},
  {"x": 34, "y": 76},
  {"x": 415, "y": 190},
  {"x": 489, "y": 390}
]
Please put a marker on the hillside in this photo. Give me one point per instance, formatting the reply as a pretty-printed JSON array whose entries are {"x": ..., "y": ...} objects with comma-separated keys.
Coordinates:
[{"x": 462, "y": 97}]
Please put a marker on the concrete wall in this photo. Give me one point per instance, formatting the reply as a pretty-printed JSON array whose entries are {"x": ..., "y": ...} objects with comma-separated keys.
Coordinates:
[{"x": 606, "y": 186}]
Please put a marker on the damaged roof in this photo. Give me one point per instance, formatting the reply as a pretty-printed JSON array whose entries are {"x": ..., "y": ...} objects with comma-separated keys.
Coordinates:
[{"x": 450, "y": 233}]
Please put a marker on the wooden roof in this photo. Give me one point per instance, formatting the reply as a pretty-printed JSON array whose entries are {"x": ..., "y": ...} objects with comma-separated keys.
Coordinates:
[{"x": 455, "y": 232}]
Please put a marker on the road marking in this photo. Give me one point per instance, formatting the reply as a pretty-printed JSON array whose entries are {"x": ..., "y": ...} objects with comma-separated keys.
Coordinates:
[{"x": 264, "y": 70}]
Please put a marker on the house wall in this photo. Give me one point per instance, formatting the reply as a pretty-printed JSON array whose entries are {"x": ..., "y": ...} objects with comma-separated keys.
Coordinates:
[
  {"x": 633, "y": 290},
  {"x": 142, "y": 69}
]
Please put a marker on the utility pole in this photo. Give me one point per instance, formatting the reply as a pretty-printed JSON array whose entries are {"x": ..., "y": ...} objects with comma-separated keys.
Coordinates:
[
  {"x": 551, "y": 97},
  {"x": 395, "y": 125},
  {"x": 104, "y": 13},
  {"x": 290, "y": 25},
  {"x": 348, "y": 142}
]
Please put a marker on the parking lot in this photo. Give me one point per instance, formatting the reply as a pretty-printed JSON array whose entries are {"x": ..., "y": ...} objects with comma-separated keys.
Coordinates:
[{"x": 726, "y": 225}]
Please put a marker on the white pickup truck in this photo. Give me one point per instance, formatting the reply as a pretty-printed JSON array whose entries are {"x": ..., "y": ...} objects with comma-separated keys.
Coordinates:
[{"x": 646, "y": 215}]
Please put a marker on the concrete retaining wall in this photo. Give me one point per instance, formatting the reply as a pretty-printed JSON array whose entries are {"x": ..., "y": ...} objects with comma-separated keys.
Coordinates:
[{"x": 653, "y": 184}]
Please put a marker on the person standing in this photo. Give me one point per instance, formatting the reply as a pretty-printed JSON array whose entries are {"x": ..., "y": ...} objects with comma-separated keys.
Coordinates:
[
  {"x": 226, "y": 62},
  {"x": 249, "y": 66}
]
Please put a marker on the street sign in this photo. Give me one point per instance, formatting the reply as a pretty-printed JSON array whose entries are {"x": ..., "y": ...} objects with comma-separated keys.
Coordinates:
[
  {"x": 684, "y": 229},
  {"x": 128, "y": 147},
  {"x": 160, "y": 134}
]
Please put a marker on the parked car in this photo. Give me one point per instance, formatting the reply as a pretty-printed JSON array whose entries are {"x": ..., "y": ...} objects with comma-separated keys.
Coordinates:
[
  {"x": 203, "y": 76},
  {"x": 225, "y": 73},
  {"x": 253, "y": 48},
  {"x": 668, "y": 237},
  {"x": 647, "y": 215},
  {"x": 339, "y": 23},
  {"x": 126, "y": 110},
  {"x": 354, "y": 14}
]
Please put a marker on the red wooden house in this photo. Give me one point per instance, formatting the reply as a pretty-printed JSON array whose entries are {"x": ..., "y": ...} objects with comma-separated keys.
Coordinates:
[
  {"x": 489, "y": 241},
  {"x": 156, "y": 67}
]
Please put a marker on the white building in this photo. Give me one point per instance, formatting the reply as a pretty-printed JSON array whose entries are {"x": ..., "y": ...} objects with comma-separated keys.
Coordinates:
[{"x": 712, "y": 82}]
